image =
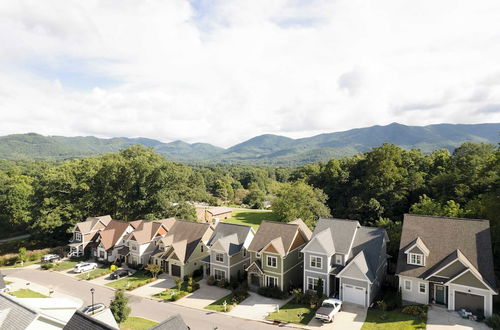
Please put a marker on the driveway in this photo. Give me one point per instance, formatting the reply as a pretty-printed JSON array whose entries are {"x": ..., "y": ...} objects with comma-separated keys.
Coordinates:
[
  {"x": 352, "y": 317},
  {"x": 441, "y": 319},
  {"x": 204, "y": 296},
  {"x": 256, "y": 307}
]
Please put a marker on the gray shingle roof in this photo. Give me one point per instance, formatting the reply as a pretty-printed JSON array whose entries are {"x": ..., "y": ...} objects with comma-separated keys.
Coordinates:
[
  {"x": 230, "y": 236},
  {"x": 175, "y": 322},
  {"x": 184, "y": 236},
  {"x": 14, "y": 315},
  {"x": 443, "y": 236},
  {"x": 81, "y": 321},
  {"x": 369, "y": 241},
  {"x": 342, "y": 232}
]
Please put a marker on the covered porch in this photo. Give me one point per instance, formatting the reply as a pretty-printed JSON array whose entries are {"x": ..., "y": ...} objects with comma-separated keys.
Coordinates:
[
  {"x": 255, "y": 276},
  {"x": 76, "y": 249}
]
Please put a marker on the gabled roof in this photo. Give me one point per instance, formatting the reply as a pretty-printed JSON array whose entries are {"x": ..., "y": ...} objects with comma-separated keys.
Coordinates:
[
  {"x": 90, "y": 223},
  {"x": 174, "y": 322},
  {"x": 444, "y": 237},
  {"x": 276, "y": 245},
  {"x": 229, "y": 237},
  {"x": 219, "y": 210},
  {"x": 361, "y": 262},
  {"x": 370, "y": 241},
  {"x": 342, "y": 233},
  {"x": 321, "y": 242},
  {"x": 286, "y": 232},
  {"x": 146, "y": 231},
  {"x": 80, "y": 321},
  {"x": 112, "y": 233},
  {"x": 419, "y": 244},
  {"x": 168, "y": 222},
  {"x": 184, "y": 236}
]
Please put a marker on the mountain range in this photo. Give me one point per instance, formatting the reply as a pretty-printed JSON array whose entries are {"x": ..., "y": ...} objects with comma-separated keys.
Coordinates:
[{"x": 263, "y": 149}]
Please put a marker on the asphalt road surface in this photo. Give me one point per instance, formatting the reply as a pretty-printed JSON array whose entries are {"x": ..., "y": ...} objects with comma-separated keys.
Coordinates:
[{"x": 143, "y": 307}]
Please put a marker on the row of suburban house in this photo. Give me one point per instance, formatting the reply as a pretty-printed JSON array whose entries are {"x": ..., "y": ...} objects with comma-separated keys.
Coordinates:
[{"x": 445, "y": 261}]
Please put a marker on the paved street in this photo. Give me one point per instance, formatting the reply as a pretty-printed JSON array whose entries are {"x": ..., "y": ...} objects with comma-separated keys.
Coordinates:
[{"x": 144, "y": 307}]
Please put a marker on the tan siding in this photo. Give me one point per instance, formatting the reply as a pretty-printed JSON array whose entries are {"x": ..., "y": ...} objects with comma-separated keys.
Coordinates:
[{"x": 468, "y": 279}]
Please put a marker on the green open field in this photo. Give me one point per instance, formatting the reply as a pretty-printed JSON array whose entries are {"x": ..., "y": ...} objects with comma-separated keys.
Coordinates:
[
  {"x": 137, "y": 323},
  {"x": 251, "y": 218}
]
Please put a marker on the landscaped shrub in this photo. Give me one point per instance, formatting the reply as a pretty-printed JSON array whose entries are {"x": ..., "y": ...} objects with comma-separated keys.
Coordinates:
[
  {"x": 135, "y": 285},
  {"x": 381, "y": 305},
  {"x": 178, "y": 283},
  {"x": 239, "y": 294},
  {"x": 222, "y": 283},
  {"x": 272, "y": 292},
  {"x": 198, "y": 273},
  {"x": 233, "y": 283},
  {"x": 185, "y": 278},
  {"x": 47, "y": 266},
  {"x": 493, "y": 321},
  {"x": 211, "y": 280},
  {"x": 175, "y": 297},
  {"x": 196, "y": 286},
  {"x": 415, "y": 310}
]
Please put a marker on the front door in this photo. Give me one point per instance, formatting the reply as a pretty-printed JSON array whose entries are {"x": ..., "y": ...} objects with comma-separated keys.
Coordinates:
[
  {"x": 176, "y": 270},
  {"x": 164, "y": 266},
  {"x": 439, "y": 292}
]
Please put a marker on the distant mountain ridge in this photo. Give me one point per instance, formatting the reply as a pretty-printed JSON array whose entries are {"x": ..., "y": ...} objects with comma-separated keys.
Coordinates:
[{"x": 263, "y": 149}]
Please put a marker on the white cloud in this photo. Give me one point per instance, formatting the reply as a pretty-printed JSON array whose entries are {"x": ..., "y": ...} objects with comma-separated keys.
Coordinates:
[{"x": 224, "y": 71}]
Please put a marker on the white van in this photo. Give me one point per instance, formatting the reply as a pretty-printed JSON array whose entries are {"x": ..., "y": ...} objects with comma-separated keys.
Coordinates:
[{"x": 85, "y": 267}]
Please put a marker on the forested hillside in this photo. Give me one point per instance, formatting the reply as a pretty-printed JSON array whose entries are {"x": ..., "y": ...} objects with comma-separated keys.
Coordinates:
[
  {"x": 376, "y": 188},
  {"x": 265, "y": 149}
]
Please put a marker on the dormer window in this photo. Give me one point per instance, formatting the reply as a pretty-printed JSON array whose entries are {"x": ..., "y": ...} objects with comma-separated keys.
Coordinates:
[
  {"x": 338, "y": 259},
  {"x": 78, "y": 237},
  {"x": 416, "y": 259}
]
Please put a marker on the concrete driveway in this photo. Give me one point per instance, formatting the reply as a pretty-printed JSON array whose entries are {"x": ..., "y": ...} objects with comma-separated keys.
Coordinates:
[
  {"x": 256, "y": 307},
  {"x": 351, "y": 317},
  {"x": 204, "y": 296},
  {"x": 441, "y": 319},
  {"x": 163, "y": 282}
]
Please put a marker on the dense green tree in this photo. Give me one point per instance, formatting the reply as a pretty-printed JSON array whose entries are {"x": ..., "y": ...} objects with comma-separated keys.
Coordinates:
[
  {"x": 16, "y": 193},
  {"x": 255, "y": 197},
  {"x": 119, "y": 307},
  {"x": 426, "y": 206},
  {"x": 300, "y": 200}
]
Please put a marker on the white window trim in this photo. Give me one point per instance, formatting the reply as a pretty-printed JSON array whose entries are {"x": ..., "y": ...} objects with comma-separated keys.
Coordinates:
[
  {"x": 217, "y": 254},
  {"x": 425, "y": 288},
  {"x": 79, "y": 237},
  {"x": 404, "y": 285},
  {"x": 313, "y": 280},
  {"x": 410, "y": 255},
  {"x": 317, "y": 258},
  {"x": 337, "y": 258},
  {"x": 221, "y": 271},
  {"x": 271, "y": 257},
  {"x": 275, "y": 280}
]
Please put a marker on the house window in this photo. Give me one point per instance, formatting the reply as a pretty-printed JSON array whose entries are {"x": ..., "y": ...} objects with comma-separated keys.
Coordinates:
[
  {"x": 338, "y": 259},
  {"x": 315, "y": 262},
  {"x": 201, "y": 248},
  {"x": 133, "y": 247},
  {"x": 271, "y": 281},
  {"x": 416, "y": 259},
  {"x": 422, "y": 288},
  {"x": 219, "y": 274},
  {"x": 219, "y": 257},
  {"x": 272, "y": 262},
  {"x": 312, "y": 283},
  {"x": 407, "y": 285},
  {"x": 244, "y": 252},
  {"x": 78, "y": 237}
]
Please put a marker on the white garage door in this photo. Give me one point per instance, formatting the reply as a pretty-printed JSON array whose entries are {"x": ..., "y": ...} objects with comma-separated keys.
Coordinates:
[{"x": 354, "y": 294}]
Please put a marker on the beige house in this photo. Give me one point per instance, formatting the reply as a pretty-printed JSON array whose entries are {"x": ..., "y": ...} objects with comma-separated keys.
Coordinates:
[
  {"x": 85, "y": 234},
  {"x": 210, "y": 215},
  {"x": 181, "y": 251},
  {"x": 112, "y": 239}
]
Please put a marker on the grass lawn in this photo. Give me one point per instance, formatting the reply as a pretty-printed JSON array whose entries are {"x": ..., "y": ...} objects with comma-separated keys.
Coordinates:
[
  {"x": 218, "y": 305},
  {"x": 394, "y": 320},
  {"x": 137, "y": 323},
  {"x": 133, "y": 281},
  {"x": 27, "y": 293},
  {"x": 169, "y": 293},
  {"x": 98, "y": 272},
  {"x": 251, "y": 218},
  {"x": 65, "y": 265},
  {"x": 293, "y": 313}
]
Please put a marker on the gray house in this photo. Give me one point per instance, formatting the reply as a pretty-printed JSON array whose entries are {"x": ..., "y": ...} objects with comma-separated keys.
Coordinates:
[
  {"x": 447, "y": 261},
  {"x": 350, "y": 259},
  {"x": 228, "y": 250}
]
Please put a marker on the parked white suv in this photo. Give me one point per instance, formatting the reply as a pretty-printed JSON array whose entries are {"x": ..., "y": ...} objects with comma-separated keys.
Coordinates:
[
  {"x": 50, "y": 258},
  {"x": 84, "y": 267}
]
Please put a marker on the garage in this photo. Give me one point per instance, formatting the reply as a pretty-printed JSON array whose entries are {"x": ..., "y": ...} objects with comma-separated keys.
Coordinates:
[
  {"x": 354, "y": 294},
  {"x": 469, "y": 301},
  {"x": 176, "y": 270}
]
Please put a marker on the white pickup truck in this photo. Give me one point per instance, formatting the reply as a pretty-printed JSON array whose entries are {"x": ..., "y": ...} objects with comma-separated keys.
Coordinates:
[{"x": 328, "y": 309}]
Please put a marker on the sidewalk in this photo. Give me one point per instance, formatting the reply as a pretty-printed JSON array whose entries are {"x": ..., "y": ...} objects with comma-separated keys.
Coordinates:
[{"x": 18, "y": 284}]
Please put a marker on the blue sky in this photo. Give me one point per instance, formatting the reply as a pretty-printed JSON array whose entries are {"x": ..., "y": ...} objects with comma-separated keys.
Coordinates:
[{"x": 224, "y": 71}]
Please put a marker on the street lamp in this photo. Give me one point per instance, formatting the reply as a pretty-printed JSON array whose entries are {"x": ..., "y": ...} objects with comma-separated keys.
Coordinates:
[{"x": 92, "y": 291}]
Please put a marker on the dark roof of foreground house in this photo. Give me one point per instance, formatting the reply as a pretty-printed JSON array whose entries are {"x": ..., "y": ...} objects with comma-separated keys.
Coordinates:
[
  {"x": 340, "y": 235},
  {"x": 15, "y": 315},
  {"x": 81, "y": 321},
  {"x": 447, "y": 239},
  {"x": 175, "y": 322},
  {"x": 369, "y": 241},
  {"x": 280, "y": 233}
]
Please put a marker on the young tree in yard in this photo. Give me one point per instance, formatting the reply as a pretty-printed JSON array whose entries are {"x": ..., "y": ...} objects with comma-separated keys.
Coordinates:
[
  {"x": 119, "y": 307},
  {"x": 153, "y": 269},
  {"x": 319, "y": 288},
  {"x": 300, "y": 200},
  {"x": 22, "y": 255},
  {"x": 178, "y": 283}
]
